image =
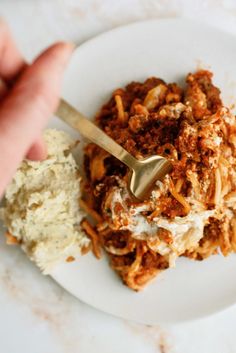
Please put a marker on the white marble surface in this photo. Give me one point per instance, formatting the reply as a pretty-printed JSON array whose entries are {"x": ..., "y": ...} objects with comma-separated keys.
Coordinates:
[{"x": 36, "y": 315}]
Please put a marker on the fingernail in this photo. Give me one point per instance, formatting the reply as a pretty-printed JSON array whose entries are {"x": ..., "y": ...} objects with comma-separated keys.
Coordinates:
[{"x": 71, "y": 45}]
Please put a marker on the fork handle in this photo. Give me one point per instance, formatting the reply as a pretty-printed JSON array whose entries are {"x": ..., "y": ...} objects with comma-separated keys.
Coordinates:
[{"x": 77, "y": 121}]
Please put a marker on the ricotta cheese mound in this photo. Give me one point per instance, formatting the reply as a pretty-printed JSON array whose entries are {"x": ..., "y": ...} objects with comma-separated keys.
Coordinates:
[
  {"x": 186, "y": 231},
  {"x": 42, "y": 205}
]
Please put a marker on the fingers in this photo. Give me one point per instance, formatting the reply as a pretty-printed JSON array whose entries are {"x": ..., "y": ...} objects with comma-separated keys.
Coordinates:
[
  {"x": 27, "y": 108},
  {"x": 11, "y": 61},
  {"x": 40, "y": 82},
  {"x": 38, "y": 151}
]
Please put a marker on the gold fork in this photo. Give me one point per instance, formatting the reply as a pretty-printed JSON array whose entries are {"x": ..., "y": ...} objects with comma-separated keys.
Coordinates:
[{"x": 144, "y": 172}]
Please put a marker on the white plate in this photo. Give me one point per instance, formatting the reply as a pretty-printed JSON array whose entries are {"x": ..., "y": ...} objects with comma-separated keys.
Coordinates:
[{"x": 168, "y": 49}]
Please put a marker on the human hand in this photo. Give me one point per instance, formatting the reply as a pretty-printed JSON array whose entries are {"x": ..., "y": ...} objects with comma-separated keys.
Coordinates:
[{"x": 29, "y": 94}]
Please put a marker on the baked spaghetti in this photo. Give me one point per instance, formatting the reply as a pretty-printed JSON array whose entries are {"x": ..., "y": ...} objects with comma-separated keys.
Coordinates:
[{"x": 192, "y": 211}]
